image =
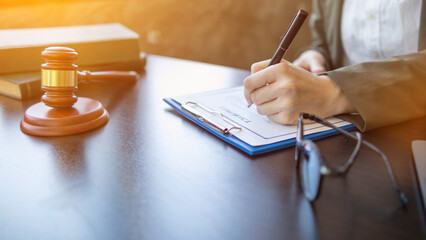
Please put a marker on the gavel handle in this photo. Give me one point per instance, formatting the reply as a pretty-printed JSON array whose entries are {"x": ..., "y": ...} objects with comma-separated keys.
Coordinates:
[{"x": 87, "y": 76}]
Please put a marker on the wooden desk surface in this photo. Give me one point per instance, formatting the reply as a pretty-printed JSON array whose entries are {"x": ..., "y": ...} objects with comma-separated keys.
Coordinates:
[{"x": 150, "y": 174}]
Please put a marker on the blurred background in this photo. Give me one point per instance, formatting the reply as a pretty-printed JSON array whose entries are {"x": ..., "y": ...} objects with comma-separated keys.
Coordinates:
[{"x": 233, "y": 33}]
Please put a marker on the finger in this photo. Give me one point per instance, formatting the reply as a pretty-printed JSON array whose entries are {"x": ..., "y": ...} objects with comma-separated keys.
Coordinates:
[
  {"x": 279, "y": 104},
  {"x": 264, "y": 94},
  {"x": 303, "y": 64},
  {"x": 317, "y": 67},
  {"x": 312, "y": 61},
  {"x": 300, "y": 61},
  {"x": 316, "y": 64},
  {"x": 285, "y": 118},
  {"x": 257, "y": 80},
  {"x": 259, "y": 66},
  {"x": 268, "y": 108},
  {"x": 256, "y": 67}
]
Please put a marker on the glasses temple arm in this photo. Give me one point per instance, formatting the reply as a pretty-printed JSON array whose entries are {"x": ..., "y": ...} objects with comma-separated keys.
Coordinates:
[
  {"x": 345, "y": 167},
  {"x": 328, "y": 124},
  {"x": 400, "y": 194}
]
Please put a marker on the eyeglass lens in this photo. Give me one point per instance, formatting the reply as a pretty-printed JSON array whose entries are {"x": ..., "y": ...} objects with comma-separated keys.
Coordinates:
[{"x": 310, "y": 173}]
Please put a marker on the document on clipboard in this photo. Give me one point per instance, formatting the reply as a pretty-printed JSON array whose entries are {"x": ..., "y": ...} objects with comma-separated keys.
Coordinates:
[{"x": 225, "y": 114}]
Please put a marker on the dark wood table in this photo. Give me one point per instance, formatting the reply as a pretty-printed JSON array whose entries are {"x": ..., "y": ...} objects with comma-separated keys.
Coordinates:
[{"x": 151, "y": 174}]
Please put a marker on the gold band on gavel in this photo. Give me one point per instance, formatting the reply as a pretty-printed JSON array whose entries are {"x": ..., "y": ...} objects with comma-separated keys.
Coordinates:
[{"x": 58, "y": 78}]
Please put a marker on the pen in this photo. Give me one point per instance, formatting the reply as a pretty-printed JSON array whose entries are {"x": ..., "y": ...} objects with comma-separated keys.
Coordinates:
[{"x": 288, "y": 37}]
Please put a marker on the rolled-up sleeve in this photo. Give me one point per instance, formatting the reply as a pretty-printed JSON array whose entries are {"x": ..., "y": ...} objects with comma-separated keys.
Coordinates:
[{"x": 386, "y": 92}]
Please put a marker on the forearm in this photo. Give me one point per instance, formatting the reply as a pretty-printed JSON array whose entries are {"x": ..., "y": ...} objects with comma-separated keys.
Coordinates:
[{"x": 385, "y": 92}]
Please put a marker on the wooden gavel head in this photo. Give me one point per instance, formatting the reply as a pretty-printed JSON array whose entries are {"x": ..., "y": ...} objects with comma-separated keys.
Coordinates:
[
  {"x": 59, "y": 77},
  {"x": 61, "y": 112}
]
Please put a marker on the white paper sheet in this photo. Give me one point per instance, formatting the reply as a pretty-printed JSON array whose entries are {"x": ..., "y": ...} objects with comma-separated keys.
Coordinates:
[{"x": 256, "y": 130}]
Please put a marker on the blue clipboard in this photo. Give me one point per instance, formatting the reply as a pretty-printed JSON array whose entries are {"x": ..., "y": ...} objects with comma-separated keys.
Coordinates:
[{"x": 252, "y": 150}]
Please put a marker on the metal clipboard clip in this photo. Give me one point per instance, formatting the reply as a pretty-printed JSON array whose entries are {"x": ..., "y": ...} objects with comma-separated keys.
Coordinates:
[{"x": 224, "y": 130}]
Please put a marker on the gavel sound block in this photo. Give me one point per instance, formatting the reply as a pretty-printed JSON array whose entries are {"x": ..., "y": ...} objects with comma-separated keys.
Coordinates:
[{"x": 61, "y": 112}]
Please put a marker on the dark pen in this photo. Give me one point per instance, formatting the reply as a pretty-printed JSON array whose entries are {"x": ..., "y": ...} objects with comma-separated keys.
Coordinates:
[{"x": 288, "y": 37}]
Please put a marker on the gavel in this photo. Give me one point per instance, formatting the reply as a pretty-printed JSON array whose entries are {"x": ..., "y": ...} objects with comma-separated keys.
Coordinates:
[
  {"x": 60, "y": 78},
  {"x": 60, "y": 111}
]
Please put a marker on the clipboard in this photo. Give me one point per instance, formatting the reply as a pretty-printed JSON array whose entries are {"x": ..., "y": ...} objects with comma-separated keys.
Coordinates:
[{"x": 225, "y": 133}]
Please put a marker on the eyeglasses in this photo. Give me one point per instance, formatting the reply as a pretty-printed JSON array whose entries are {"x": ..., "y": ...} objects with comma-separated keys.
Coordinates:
[{"x": 312, "y": 167}]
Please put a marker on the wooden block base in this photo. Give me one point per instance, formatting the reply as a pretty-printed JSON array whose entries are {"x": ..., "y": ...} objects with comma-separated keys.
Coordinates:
[{"x": 85, "y": 115}]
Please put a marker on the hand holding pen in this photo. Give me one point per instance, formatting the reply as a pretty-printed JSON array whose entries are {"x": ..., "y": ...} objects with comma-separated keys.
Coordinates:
[
  {"x": 288, "y": 38},
  {"x": 280, "y": 90}
]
